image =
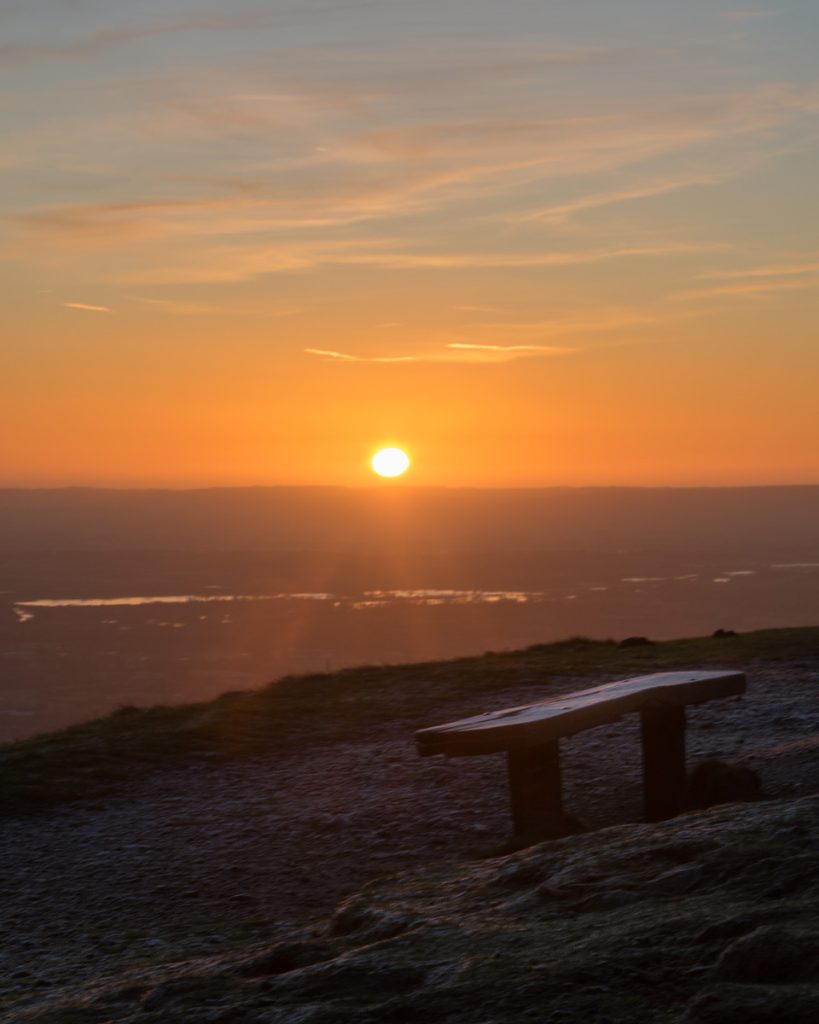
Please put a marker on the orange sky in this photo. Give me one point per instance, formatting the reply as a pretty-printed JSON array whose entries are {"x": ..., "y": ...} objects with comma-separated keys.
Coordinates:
[{"x": 564, "y": 246}]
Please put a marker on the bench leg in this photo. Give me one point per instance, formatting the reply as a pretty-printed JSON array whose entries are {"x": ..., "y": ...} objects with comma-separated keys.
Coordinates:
[
  {"x": 534, "y": 787},
  {"x": 663, "y": 730}
]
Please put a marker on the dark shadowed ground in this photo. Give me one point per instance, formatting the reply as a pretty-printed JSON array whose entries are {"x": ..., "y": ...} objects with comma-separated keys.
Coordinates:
[{"x": 211, "y": 857}]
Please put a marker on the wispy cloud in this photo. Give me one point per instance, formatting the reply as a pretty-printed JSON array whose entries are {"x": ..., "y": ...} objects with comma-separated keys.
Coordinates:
[
  {"x": 126, "y": 223},
  {"x": 511, "y": 350},
  {"x": 180, "y": 307},
  {"x": 346, "y": 357},
  {"x": 739, "y": 15},
  {"x": 237, "y": 180},
  {"x": 453, "y": 352},
  {"x": 455, "y": 260},
  {"x": 761, "y": 280},
  {"x": 604, "y": 321},
  {"x": 416, "y": 167},
  {"x": 609, "y": 138},
  {"x": 561, "y": 212},
  {"x": 577, "y": 326},
  {"x": 750, "y": 288},
  {"x": 217, "y": 261},
  {"x": 86, "y": 307},
  {"x": 478, "y": 309},
  {"x": 18, "y": 52},
  {"x": 810, "y": 266}
]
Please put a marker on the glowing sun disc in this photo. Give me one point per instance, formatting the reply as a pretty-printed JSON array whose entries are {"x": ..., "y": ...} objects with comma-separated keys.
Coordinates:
[{"x": 390, "y": 462}]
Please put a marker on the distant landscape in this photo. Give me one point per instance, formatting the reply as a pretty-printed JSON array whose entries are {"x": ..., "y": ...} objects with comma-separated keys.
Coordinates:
[
  {"x": 112, "y": 598},
  {"x": 368, "y": 366}
]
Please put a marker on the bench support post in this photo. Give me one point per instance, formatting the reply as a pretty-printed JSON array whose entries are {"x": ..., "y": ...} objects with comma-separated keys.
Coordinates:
[
  {"x": 534, "y": 787},
  {"x": 663, "y": 730}
]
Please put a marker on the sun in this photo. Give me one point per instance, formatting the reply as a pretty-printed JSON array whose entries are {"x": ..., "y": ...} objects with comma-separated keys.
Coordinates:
[{"x": 390, "y": 462}]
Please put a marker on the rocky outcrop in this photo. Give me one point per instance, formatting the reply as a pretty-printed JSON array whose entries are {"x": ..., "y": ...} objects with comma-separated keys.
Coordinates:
[{"x": 707, "y": 919}]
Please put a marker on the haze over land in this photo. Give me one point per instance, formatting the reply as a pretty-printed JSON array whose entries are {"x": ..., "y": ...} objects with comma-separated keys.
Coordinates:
[
  {"x": 143, "y": 597},
  {"x": 384, "y": 520}
]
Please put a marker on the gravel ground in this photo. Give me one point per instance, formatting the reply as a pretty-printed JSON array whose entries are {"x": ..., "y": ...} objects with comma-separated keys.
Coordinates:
[{"x": 194, "y": 862}]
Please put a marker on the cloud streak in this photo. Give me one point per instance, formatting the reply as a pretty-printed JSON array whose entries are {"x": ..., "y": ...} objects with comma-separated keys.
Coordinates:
[
  {"x": 738, "y": 16},
  {"x": 346, "y": 357},
  {"x": 460, "y": 260},
  {"x": 477, "y": 352},
  {"x": 421, "y": 166},
  {"x": 453, "y": 352},
  {"x": 752, "y": 281},
  {"x": 750, "y": 288},
  {"x": 562, "y": 212},
  {"x": 602, "y": 322},
  {"x": 775, "y": 270},
  {"x": 85, "y": 307},
  {"x": 103, "y": 39},
  {"x": 511, "y": 350}
]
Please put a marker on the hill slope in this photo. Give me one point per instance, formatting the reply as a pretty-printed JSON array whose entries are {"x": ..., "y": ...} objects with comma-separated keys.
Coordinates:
[
  {"x": 211, "y": 833},
  {"x": 708, "y": 919},
  {"x": 101, "y": 757}
]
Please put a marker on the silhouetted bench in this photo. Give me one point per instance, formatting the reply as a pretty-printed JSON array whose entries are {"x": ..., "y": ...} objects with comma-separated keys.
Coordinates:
[{"x": 529, "y": 736}]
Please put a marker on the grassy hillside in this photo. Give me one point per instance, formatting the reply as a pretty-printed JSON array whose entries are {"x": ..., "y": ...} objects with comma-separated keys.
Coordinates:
[{"x": 100, "y": 757}]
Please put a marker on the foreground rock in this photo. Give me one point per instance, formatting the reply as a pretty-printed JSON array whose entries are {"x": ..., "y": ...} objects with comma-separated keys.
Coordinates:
[{"x": 708, "y": 919}]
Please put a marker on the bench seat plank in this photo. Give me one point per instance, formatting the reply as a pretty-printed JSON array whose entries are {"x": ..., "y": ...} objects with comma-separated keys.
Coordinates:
[{"x": 536, "y": 724}]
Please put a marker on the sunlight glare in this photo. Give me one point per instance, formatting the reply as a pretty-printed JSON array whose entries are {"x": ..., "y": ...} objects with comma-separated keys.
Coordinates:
[{"x": 390, "y": 462}]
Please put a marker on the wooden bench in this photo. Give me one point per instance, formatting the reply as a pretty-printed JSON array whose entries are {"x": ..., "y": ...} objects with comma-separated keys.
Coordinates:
[{"x": 529, "y": 736}]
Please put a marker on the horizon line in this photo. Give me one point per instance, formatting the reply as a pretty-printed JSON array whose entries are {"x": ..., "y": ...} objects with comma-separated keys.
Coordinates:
[{"x": 397, "y": 487}]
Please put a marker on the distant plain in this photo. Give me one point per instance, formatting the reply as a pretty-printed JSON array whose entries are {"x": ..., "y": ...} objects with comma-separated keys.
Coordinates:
[{"x": 138, "y": 598}]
